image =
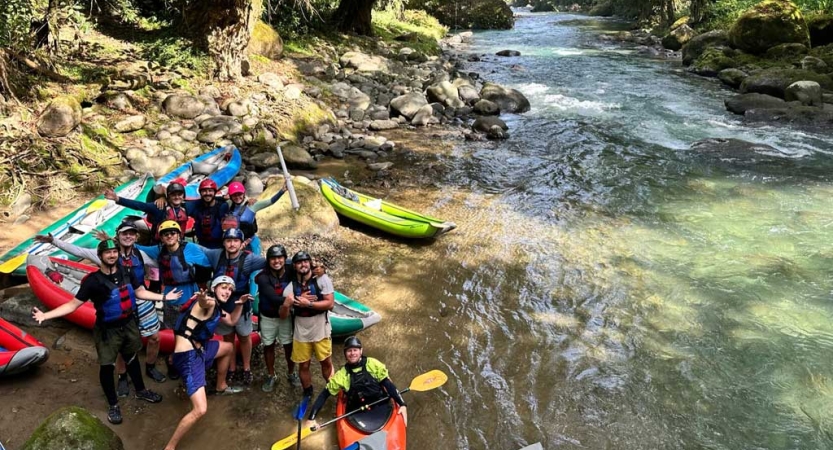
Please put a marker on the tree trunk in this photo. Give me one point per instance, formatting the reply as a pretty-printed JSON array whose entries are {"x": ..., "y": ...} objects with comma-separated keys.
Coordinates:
[
  {"x": 354, "y": 16},
  {"x": 226, "y": 26},
  {"x": 669, "y": 12}
]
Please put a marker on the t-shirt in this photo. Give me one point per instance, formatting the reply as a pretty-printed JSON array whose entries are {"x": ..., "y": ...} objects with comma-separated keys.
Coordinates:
[
  {"x": 94, "y": 287},
  {"x": 315, "y": 328},
  {"x": 341, "y": 379}
]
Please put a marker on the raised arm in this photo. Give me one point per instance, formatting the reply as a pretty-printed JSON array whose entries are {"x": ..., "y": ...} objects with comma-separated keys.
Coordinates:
[{"x": 66, "y": 308}]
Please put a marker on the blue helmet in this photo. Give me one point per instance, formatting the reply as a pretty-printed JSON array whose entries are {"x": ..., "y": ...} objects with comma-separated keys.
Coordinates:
[{"x": 234, "y": 233}]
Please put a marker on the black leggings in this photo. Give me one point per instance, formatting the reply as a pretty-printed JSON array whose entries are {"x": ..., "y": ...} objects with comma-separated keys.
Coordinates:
[{"x": 108, "y": 383}]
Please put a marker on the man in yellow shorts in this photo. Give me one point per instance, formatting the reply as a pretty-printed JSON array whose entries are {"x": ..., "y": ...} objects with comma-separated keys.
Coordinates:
[{"x": 311, "y": 298}]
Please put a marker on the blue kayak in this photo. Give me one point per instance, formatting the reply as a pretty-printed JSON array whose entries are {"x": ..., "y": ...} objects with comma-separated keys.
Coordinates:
[{"x": 219, "y": 165}]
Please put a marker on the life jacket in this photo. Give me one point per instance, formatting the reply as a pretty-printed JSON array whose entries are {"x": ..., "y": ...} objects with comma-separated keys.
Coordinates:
[
  {"x": 235, "y": 272},
  {"x": 312, "y": 287},
  {"x": 278, "y": 284},
  {"x": 121, "y": 302},
  {"x": 364, "y": 389},
  {"x": 207, "y": 222},
  {"x": 204, "y": 328},
  {"x": 177, "y": 214},
  {"x": 173, "y": 269},
  {"x": 244, "y": 217},
  {"x": 134, "y": 263}
]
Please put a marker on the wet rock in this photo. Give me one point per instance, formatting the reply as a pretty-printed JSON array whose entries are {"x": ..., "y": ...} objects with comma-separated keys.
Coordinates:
[
  {"x": 739, "y": 104},
  {"x": 735, "y": 151},
  {"x": 379, "y": 125},
  {"x": 183, "y": 106},
  {"x": 698, "y": 44},
  {"x": 485, "y": 123},
  {"x": 806, "y": 92},
  {"x": 73, "y": 427},
  {"x": 496, "y": 132},
  {"x": 408, "y": 105},
  {"x": 775, "y": 81},
  {"x": 60, "y": 117},
  {"x": 336, "y": 149},
  {"x": 732, "y": 77},
  {"x": 467, "y": 92},
  {"x": 486, "y": 108},
  {"x": 445, "y": 93},
  {"x": 767, "y": 24},
  {"x": 509, "y": 100},
  {"x": 130, "y": 124},
  {"x": 423, "y": 116},
  {"x": 508, "y": 53}
]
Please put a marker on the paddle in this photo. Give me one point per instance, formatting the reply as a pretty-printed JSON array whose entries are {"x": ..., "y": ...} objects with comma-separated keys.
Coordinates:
[
  {"x": 299, "y": 416},
  {"x": 425, "y": 382},
  {"x": 289, "y": 187}
]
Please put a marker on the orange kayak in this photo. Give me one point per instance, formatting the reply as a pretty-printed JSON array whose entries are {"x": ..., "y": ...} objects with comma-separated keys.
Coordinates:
[{"x": 384, "y": 416}]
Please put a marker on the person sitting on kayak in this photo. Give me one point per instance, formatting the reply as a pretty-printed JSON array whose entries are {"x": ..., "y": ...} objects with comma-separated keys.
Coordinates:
[
  {"x": 363, "y": 380},
  {"x": 242, "y": 215},
  {"x": 113, "y": 291},
  {"x": 174, "y": 209},
  {"x": 137, "y": 262},
  {"x": 195, "y": 351}
]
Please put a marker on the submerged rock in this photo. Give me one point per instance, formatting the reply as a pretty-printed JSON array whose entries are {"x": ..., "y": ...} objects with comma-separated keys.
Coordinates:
[
  {"x": 509, "y": 100},
  {"x": 74, "y": 428},
  {"x": 739, "y": 104}
]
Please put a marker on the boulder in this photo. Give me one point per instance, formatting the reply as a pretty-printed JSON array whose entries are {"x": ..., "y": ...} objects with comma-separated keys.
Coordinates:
[
  {"x": 739, "y": 104},
  {"x": 775, "y": 81},
  {"x": 279, "y": 221},
  {"x": 240, "y": 108},
  {"x": 379, "y": 125},
  {"x": 142, "y": 162},
  {"x": 732, "y": 77},
  {"x": 183, "y": 106},
  {"x": 72, "y": 427},
  {"x": 821, "y": 30},
  {"x": 698, "y": 44},
  {"x": 806, "y": 92},
  {"x": 496, "y": 132},
  {"x": 271, "y": 79},
  {"x": 265, "y": 41},
  {"x": 485, "y": 123},
  {"x": 678, "y": 37},
  {"x": 130, "y": 124},
  {"x": 767, "y": 24},
  {"x": 363, "y": 62},
  {"x": 445, "y": 93},
  {"x": 423, "y": 116},
  {"x": 60, "y": 117},
  {"x": 486, "y": 108},
  {"x": 509, "y": 100},
  {"x": 789, "y": 51},
  {"x": 712, "y": 61},
  {"x": 295, "y": 157},
  {"x": 407, "y": 105},
  {"x": 508, "y": 53},
  {"x": 814, "y": 64}
]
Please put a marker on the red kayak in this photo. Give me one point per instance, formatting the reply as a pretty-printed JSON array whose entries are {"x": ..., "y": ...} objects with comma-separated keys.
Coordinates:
[
  {"x": 382, "y": 417},
  {"x": 55, "y": 282},
  {"x": 19, "y": 351}
]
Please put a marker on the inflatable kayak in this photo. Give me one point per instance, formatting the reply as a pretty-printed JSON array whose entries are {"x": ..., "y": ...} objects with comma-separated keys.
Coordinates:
[
  {"x": 347, "y": 316},
  {"x": 55, "y": 281},
  {"x": 19, "y": 351},
  {"x": 382, "y": 215},
  {"x": 380, "y": 420},
  {"x": 77, "y": 226},
  {"x": 220, "y": 165}
]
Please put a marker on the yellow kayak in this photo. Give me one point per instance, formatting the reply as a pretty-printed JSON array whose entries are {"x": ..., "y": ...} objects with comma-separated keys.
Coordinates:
[{"x": 381, "y": 214}]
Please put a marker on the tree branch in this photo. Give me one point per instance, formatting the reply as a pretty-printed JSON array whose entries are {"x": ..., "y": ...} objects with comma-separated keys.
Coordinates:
[{"x": 51, "y": 74}]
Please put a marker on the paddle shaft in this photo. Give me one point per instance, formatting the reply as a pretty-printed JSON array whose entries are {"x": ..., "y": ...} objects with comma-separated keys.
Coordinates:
[
  {"x": 289, "y": 187},
  {"x": 363, "y": 408}
]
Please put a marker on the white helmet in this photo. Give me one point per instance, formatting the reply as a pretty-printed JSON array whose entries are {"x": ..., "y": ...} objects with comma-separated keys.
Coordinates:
[{"x": 220, "y": 280}]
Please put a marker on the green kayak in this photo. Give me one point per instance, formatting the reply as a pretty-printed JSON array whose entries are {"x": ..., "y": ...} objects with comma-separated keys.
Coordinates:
[
  {"x": 381, "y": 214},
  {"x": 77, "y": 227},
  {"x": 347, "y": 316}
]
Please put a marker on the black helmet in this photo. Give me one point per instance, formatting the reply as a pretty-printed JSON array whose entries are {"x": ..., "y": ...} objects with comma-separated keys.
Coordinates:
[
  {"x": 276, "y": 251},
  {"x": 175, "y": 187},
  {"x": 126, "y": 226},
  {"x": 301, "y": 256},
  {"x": 352, "y": 342},
  {"x": 104, "y": 245}
]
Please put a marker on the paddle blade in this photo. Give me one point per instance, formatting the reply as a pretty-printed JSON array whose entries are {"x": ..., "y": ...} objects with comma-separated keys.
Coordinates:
[
  {"x": 429, "y": 380},
  {"x": 301, "y": 409},
  {"x": 12, "y": 264},
  {"x": 96, "y": 205},
  {"x": 291, "y": 440}
]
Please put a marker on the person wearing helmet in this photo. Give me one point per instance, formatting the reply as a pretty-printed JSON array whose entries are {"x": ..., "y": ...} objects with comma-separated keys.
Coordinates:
[
  {"x": 364, "y": 380},
  {"x": 195, "y": 350},
  {"x": 239, "y": 264},
  {"x": 113, "y": 292},
  {"x": 173, "y": 208},
  {"x": 137, "y": 262},
  {"x": 208, "y": 213},
  {"x": 243, "y": 215},
  {"x": 310, "y": 297}
]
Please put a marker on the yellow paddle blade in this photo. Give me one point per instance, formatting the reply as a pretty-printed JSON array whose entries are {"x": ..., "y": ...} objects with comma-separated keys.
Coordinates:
[
  {"x": 12, "y": 264},
  {"x": 291, "y": 440},
  {"x": 96, "y": 205},
  {"x": 428, "y": 381}
]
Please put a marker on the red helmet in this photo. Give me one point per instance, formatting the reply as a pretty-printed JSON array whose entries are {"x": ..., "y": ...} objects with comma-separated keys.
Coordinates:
[
  {"x": 208, "y": 184},
  {"x": 236, "y": 187}
]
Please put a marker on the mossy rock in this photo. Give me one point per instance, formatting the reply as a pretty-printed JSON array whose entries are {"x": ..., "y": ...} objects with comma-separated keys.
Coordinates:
[
  {"x": 767, "y": 24},
  {"x": 685, "y": 20},
  {"x": 775, "y": 81},
  {"x": 61, "y": 117},
  {"x": 265, "y": 41},
  {"x": 715, "y": 59},
  {"x": 73, "y": 428},
  {"x": 792, "y": 52},
  {"x": 821, "y": 29},
  {"x": 678, "y": 37},
  {"x": 698, "y": 44},
  {"x": 280, "y": 221},
  {"x": 480, "y": 14}
]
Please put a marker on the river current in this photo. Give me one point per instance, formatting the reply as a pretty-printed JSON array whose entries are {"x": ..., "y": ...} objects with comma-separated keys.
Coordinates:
[{"x": 609, "y": 288}]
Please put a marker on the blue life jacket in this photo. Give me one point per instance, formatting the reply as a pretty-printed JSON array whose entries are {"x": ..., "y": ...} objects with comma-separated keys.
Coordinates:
[
  {"x": 208, "y": 223},
  {"x": 204, "y": 328},
  {"x": 312, "y": 287},
  {"x": 245, "y": 218},
  {"x": 120, "y": 304},
  {"x": 235, "y": 272},
  {"x": 134, "y": 263},
  {"x": 173, "y": 269}
]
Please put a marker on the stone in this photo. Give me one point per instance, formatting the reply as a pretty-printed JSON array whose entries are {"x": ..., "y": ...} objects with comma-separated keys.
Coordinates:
[
  {"x": 379, "y": 125},
  {"x": 293, "y": 91},
  {"x": 806, "y": 92},
  {"x": 17, "y": 308},
  {"x": 183, "y": 106},
  {"x": 73, "y": 427},
  {"x": 356, "y": 114},
  {"x": 678, "y": 37},
  {"x": 739, "y": 104},
  {"x": 732, "y": 77},
  {"x": 239, "y": 108},
  {"x": 211, "y": 135},
  {"x": 468, "y": 94},
  {"x": 508, "y": 53},
  {"x": 497, "y": 132},
  {"x": 60, "y": 117},
  {"x": 210, "y": 92},
  {"x": 20, "y": 204},
  {"x": 337, "y": 149},
  {"x": 380, "y": 165},
  {"x": 130, "y": 124},
  {"x": 280, "y": 222},
  {"x": 271, "y": 79},
  {"x": 698, "y": 44},
  {"x": 158, "y": 165},
  {"x": 297, "y": 157},
  {"x": 775, "y": 81},
  {"x": 485, "y": 123},
  {"x": 786, "y": 51},
  {"x": 814, "y": 64},
  {"x": 265, "y": 41},
  {"x": 509, "y": 100},
  {"x": 423, "y": 116},
  {"x": 115, "y": 100},
  {"x": 407, "y": 105},
  {"x": 767, "y": 24},
  {"x": 363, "y": 62},
  {"x": 486, "y": 108}
]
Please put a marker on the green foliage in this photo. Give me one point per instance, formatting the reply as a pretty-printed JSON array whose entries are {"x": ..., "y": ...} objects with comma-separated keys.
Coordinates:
[
  {"x": 426, "y": 29},
  {"x": 174, "y": 51},
  {"x": 477, "y": 14},
  {"x": 15, "y": 19}
]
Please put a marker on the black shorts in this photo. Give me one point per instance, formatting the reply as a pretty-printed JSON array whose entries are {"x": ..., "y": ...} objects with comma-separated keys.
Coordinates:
[{"x": 109, "y": 342}]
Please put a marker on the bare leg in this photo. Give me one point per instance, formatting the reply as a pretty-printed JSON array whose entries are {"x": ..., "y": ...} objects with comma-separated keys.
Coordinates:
[
  {"x": 233, "y": 362},
  {"x": 224, "y": 356},
  {"x": 199, "y": 407},
  {"x": 152, "y": 349},
  {"x": 246, "y": 351},
  {"x": 269, "y": 357},
  {"x": 304, "y": 374},
  {"x": 327, "y": 369},
  {"x": 287, "y": 354}
]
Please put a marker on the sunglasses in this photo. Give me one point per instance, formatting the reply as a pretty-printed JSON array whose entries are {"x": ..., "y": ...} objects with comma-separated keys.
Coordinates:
[{"x": 168, "y": 233}]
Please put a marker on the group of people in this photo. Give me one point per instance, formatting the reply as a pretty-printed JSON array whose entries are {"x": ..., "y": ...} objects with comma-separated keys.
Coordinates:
[{"x": 204, "y": 289}]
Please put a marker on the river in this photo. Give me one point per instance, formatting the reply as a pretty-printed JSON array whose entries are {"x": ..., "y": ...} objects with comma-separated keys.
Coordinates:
[{"x": 608, "y": 288}]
